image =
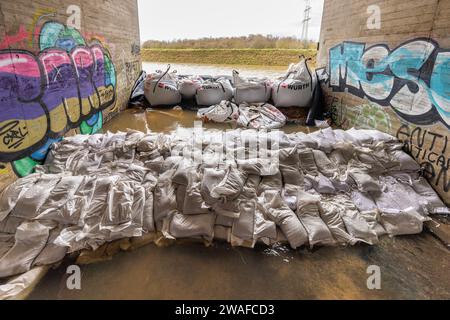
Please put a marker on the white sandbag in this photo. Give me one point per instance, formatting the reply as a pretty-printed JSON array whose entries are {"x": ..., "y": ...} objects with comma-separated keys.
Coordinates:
[
  {"x": 244, "y": 226},
  {"x": 161, "y": 89},
  {"x": 309, "y": 214},
  {"x": 296, "y": 89},
  {"x": 276, "y": 210},
  {"x": 260, "y": 116},
  {"x": 31, "y": 201},
  {"x": 270, "y": 183},
  {"x": 359, "y": 173},
  {"x": 330, "y": 214},
  {"x": 165, "y": 197},
  {"x": 213, "y": 92},
  {"x": 224, "y": 112},
  {"x": 193, "y": 201},
  {"x": 402, "y": 222},
  {"x": 30, "y": 239},
  {"x": 251, "y": 90},
  {"x": 14, "y": 192},
  {"x": 192, "y": 226},
  {"x": 188, "y": 87},
  {"x": 307, "y": 162},
  {"x": 64, "y": 191},
  {"x": 231, "y": 186}
]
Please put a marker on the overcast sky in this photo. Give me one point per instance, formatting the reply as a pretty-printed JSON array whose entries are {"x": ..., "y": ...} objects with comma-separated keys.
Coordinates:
[{"x": 193, "y": 19}]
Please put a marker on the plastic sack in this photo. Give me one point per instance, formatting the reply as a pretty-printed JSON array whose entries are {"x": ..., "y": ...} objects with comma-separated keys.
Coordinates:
[
  {"x": 161, "y": 89},
  {"x": 296, "y": 89},
  {"x": 224, "y": 112},
  {"x": 251, "y": 90},
  {"x": 260, "y": 116},
  {"x": 188, "y": 87},
  {"x": 213, "y": 92}
]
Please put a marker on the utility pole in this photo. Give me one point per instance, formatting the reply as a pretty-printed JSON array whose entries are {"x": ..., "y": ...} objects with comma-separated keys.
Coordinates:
[{"x": 306, "y": 19}]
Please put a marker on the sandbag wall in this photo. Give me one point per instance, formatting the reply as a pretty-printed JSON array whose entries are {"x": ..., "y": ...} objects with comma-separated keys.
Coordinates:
[{"x": 332, "y": 187}]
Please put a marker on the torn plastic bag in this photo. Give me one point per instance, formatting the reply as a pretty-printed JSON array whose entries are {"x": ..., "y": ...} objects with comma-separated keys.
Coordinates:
[
  {"x": 30, "y": 240},
  {"x": 260, "y": 116},
  {"x": 224, "y": 112},
  {"x": 296, "y": 89},
  {"x": 309, "y": 214},
  {"x": 251, "y": 90},
  {"x": 276, "y": 210},
  {"x": 212, "y": 92},
  {"x": 161, "y": 89}
]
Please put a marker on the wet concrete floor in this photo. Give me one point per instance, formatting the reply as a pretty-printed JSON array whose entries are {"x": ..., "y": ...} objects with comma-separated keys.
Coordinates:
[{"x": 412, "y": 267}]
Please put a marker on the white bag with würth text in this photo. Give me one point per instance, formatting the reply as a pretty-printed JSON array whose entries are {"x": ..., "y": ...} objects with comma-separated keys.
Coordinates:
[
  {"x": 296, "y": 89},
  {"x": 251, "y": 90},
  {"x": 161, "y": 89},
  {"x": 213, "y": 92}
]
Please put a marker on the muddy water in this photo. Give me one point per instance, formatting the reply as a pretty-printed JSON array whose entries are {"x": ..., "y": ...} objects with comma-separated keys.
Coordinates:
[
  {"x": 198, "y": 69},
  {"x": 167, "y": 120}
]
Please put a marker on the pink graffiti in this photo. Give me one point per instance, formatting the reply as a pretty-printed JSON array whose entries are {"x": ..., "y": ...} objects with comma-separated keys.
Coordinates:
[{"x": 19, "y": 37}]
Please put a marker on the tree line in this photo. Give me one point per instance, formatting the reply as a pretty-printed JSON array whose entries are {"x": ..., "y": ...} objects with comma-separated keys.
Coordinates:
[{"x": 245, "y": 42}]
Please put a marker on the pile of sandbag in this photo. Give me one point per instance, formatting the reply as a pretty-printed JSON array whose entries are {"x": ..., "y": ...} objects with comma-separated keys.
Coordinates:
[
  {"x": 250, "y": 116},
  {"x": 296, "y": 89},
  {"x": 332, "y": 187}
]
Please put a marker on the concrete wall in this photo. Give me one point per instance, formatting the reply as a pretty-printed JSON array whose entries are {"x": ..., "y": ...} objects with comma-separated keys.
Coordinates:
[
  {"x": 386, "y": 65},
  {"x": 66, "y": 66}
]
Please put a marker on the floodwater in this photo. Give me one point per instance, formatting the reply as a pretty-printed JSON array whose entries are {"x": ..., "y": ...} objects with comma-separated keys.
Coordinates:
[
  {"x": 412, "y": 267},
  {"x": 226, "y": 70}
]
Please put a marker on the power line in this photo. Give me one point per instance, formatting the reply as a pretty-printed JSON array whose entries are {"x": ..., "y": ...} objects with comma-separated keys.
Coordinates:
[{"x": 306, "y": 20}]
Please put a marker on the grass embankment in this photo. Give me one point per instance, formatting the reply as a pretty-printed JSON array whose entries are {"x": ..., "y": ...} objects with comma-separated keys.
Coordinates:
[{"x": 249, "y": 57}]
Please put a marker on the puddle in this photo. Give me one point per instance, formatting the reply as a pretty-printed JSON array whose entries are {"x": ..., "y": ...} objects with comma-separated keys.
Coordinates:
[{"x": 168, "y": 120}]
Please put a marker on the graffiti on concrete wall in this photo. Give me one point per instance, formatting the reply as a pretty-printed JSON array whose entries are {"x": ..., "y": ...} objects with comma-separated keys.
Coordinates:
[
  {"x": 366, "y": 116},
  {"x": 429, "y": 148},
  {"x": 43, "y": 95},
  {"x": 413, "y": 79}
]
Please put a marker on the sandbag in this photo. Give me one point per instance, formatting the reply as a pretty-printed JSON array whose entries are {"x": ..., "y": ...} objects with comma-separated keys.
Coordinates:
[
  {"x": 188, "y": 87},
  {"x": 224, "y": 112},
  {"x": 277, "y": 211},
  {"x": 296, "y": 89},
  {"x": 212, "y": 92},
  {"x": 251, "y": 90},
  {"x": 161, "y": 89},
  {"x": 260, "y": 116}
]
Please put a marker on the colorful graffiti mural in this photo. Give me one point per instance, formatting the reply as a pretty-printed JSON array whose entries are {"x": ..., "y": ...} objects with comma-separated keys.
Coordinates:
[
  {"x": 65, "y": 85},
  {"x": 413, "y": 79}
]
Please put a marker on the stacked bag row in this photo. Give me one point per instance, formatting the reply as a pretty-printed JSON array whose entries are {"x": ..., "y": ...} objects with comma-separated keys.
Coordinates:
[{"x": 295, "y": 89}]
